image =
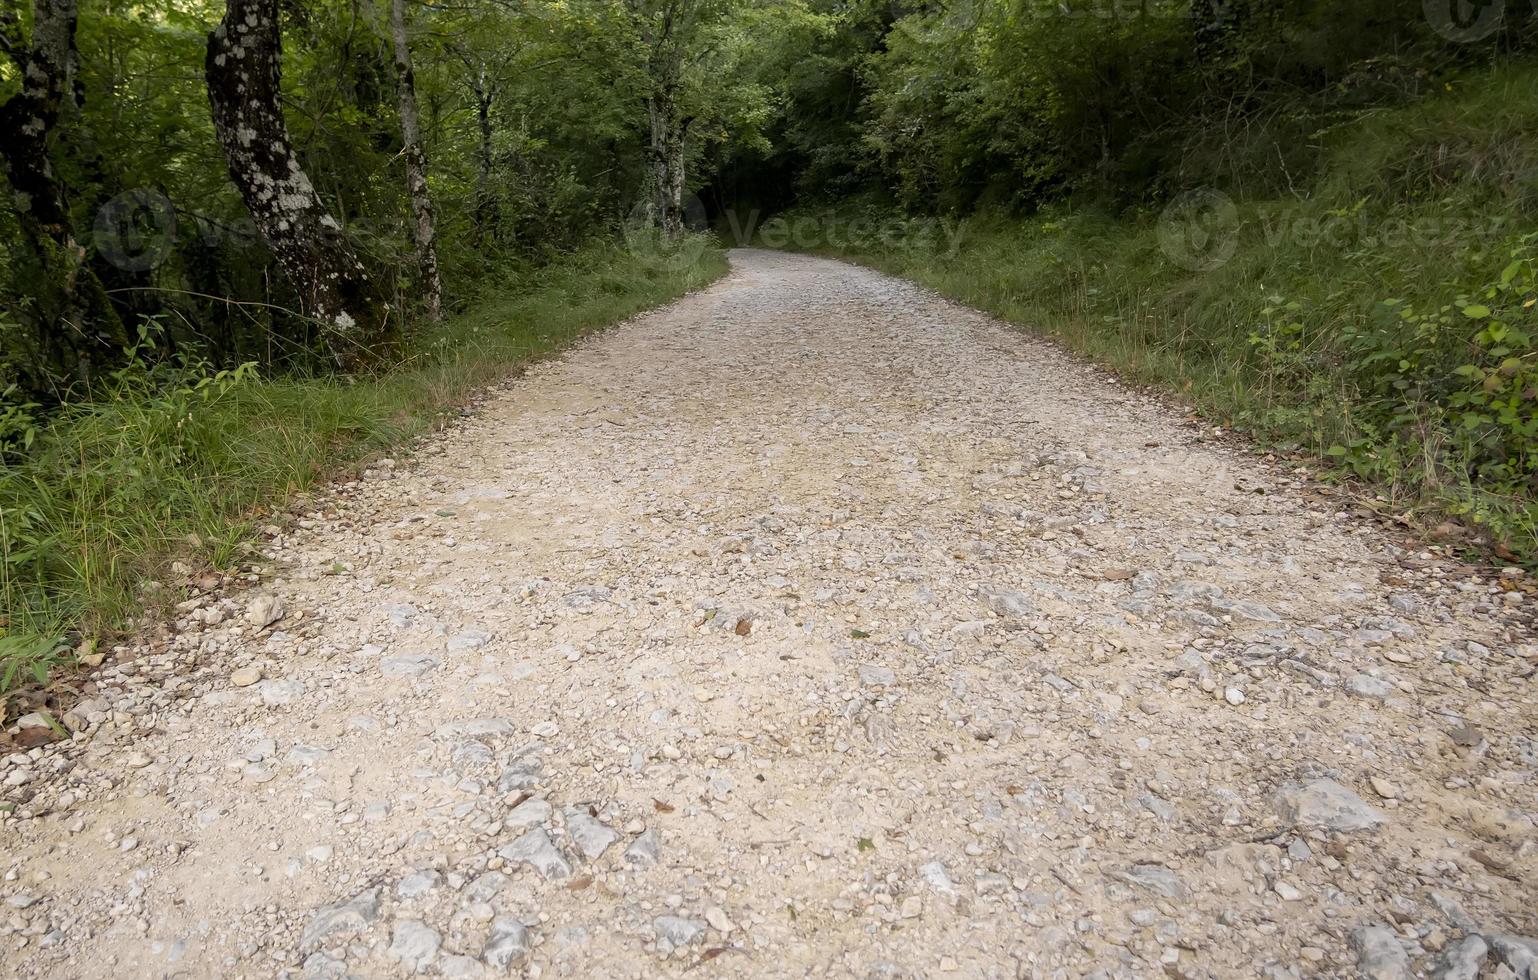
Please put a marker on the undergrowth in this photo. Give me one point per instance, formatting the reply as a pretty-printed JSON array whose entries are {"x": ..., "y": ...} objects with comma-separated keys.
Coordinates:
[{"x": 1383, "y": 319}]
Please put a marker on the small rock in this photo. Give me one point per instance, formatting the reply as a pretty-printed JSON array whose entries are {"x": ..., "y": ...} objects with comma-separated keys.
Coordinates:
[
  {"x": 644, "y": 851},
  {"x": 675, "y": 931},
  {"x": 414, "y": 944},
  {"x": 872, "y": 675},
  {"x": 507, "y": 945},
  {"x": 591, "y": 836},
  {"x": 535, "y": 850},
  {"x": 1383, "y": 787},
  {"x": 1327, "y": 805},
  {"x": 1461, "y": 960},
  {"x": 246, "y": 676},
  {"x": 1369, "y": 687},
  {"x": 264, "y": 610},
  {"x": 719, "y": 920},
  {"x": 1380, "y": 954},
  {"x": 353, "y": 915}
]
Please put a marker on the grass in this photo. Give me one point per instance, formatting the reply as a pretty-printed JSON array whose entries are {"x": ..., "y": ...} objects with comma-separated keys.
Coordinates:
[
  {"x": 1383, "y": 319},
  {"x": 178, "y": 466}
]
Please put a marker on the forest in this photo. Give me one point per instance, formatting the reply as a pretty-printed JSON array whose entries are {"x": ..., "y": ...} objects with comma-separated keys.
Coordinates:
[{"x": 248, "y": 244}]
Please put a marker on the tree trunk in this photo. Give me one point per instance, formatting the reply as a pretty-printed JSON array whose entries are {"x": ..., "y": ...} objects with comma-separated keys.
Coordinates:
[
  {"x": 244, "y": 73},
  {"x": 74, "y": 323},
  {"x": 416, "y": 164},
  {"x": 665, "y": 160},
  {"x": 657, "y": 182},
  {"x": 485, "y": 201}
]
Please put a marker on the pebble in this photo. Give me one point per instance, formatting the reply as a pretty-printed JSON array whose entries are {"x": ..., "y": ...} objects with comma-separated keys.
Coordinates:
[
  {"x": 1380, "y": 954},
  {"x": 1327, "y": 805},
  {"x": 591, "y": 836},
  {"x": 507, "y": 945},
  {"x": 414, "y": 945},
  {"x": 245, "y": 676},
  {"x": 644, "y": 851},
  {"x": 674, "y": 931},
  {"x": 536, "y": 850},
  {"x": 263, "y": 611}
]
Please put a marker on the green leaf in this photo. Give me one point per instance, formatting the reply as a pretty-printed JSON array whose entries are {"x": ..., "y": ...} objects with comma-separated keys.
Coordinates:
[{"x": 1476, "y": 312}]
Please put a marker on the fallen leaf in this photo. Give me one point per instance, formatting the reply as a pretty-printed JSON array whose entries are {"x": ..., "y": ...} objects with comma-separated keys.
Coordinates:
[
  {"x": 31, "y": 738},
  {"x": 661, "y": 806},
  {"x": 744, "y": 627}
]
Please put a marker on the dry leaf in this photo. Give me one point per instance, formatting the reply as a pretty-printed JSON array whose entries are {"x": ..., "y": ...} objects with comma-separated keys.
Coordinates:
[{"x": 661, "y": 806}]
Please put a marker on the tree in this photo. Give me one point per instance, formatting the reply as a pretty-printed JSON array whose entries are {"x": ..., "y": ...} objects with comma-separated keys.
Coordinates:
[
  {"x": 243, "y": 70},
  {"x": 416, "y": 163},
  {"x": 666, "y": 29},
  {"x": 73, "y": 323}
]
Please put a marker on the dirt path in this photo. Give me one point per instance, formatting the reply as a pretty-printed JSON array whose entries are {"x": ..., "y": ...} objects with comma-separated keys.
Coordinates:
[{"x": 809, "y": 626}]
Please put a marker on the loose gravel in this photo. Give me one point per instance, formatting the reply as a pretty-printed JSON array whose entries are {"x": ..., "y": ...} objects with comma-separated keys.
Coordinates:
[{"x": 810, "y": 626}]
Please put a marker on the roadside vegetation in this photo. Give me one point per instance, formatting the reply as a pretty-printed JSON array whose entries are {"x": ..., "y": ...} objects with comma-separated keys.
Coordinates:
[
  {"x": 1315, "y": 223},
  {"x": 116, "y": 504}
]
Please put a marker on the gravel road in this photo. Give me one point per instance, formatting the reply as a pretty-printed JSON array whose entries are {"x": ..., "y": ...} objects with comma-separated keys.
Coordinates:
[{"x": 810, "y": 626}]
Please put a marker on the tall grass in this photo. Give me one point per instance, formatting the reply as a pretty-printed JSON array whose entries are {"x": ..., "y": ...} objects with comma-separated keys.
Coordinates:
[
  {"x": 175, "y": 464},
  {"x": 1383, "y": 319}
]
